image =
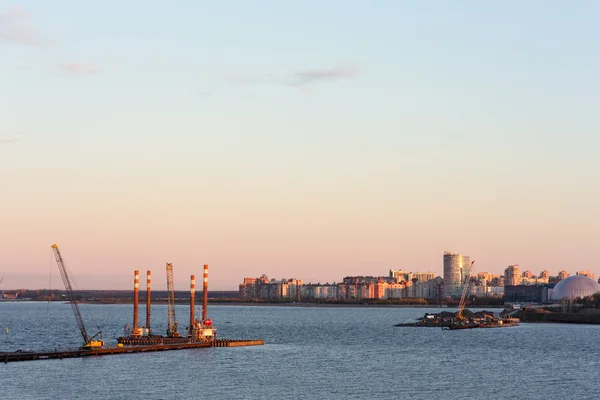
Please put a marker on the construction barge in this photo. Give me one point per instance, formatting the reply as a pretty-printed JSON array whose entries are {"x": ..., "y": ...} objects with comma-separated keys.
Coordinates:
[
  {"x": 464, "y": 319},
  {"x": 200, "y": 333}
]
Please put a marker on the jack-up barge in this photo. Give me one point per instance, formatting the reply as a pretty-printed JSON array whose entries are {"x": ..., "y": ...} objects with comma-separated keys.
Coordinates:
[{"x": 200, "y": 333}]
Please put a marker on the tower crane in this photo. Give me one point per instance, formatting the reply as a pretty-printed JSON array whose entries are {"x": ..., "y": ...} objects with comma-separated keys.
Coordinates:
[
  {"x": 88, "y": 342},
  {"x": 172, "y": 328},
  {"x": 461, "y": 305}
]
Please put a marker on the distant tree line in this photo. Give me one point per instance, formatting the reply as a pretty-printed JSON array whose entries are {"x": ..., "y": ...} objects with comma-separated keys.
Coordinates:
[
  {"x": 159, "y": 296},
  {"x": 115, "y": 296}
]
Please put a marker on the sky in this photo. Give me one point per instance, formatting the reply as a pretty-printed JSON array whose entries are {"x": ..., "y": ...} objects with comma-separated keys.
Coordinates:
[{"x": 310, "y": 140}]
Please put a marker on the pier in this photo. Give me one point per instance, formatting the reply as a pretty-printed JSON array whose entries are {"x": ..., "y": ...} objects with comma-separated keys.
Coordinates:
[
  {"x": 104, "y": 351},
  {"x": 202, "y": 333},
  {"x": 237, "y": 343}
]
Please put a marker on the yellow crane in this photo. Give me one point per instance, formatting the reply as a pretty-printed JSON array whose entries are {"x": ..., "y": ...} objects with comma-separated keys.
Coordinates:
[
  {"x": 461, "y": 305},
  {"x": 88, "y": 342}
]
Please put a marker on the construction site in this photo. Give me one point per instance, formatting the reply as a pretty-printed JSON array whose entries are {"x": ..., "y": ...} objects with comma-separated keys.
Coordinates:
[
  {"x": 199, "y": 332},
  {"x": 464, "y": 318}
]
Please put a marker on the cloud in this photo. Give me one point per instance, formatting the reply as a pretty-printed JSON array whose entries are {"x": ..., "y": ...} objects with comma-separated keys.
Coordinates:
[
  {"x": 203, "y": 92},
  {"x": 305, "y": 77},
  {"x": 13, "y": 138},
  {"x": 6, "y": 140},
  {"x": 16, "y": 27},
  {"x": 266, "y": 78},
  {"x": 299, "y": 78},
  {"x": 79, "y": 69}
]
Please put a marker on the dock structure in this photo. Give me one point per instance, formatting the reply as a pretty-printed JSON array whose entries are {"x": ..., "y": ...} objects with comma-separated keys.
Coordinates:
[
  {"x": 200, "y": 333},
  {"x": 104, "y": 351},
  {"x": 237, "y": 343}
]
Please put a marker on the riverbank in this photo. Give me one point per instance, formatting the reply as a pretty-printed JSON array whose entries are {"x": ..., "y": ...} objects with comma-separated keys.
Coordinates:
[
  {"x": 580, "y": 317},
  {"x": 318, "y": 305},
  {"x": 237, "y": 302}
]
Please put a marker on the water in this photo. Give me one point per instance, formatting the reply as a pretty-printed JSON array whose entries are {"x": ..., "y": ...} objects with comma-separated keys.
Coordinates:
[{"x": 325, "y": 353}]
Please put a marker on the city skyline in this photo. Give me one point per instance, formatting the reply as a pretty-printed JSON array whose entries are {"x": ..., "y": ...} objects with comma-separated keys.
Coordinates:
[
  {"x": 419, "y": 287},
  {"x": 342, "y": 139},
  {"x": 430, "y": 275}
]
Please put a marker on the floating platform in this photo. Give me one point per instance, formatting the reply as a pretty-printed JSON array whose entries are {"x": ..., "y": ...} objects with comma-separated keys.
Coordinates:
[
  {"x": 103, "y": 351},
  {"x": 449, "y": 320},
  {"x": 477, "y": 325},
  {"x": 158, "y": 340},
  {"x": 202, "y": 333},
  {"x": 461, "y": 326}
]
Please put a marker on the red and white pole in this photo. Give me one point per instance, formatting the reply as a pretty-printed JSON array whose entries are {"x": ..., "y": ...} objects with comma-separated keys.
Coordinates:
[
  {"x": 205, "y": 292},
  {"x": 136, "y": 285},
  {"x": 148, "y": 290},
  {"x": 192, "y": 301}
]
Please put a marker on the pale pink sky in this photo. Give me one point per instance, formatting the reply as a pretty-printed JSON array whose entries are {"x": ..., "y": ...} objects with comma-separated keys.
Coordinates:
[{"x": 377, "y": 139}]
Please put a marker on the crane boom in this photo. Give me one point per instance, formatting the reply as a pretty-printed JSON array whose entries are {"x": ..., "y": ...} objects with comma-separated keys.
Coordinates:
[
  {"x": 172, "y": 328},
  {"x": 65, "y": 274},
  {"x": 461, "y": 305}
]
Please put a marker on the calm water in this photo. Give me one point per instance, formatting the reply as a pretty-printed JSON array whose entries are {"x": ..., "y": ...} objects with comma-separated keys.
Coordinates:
[{"x": 324, "y": 353}]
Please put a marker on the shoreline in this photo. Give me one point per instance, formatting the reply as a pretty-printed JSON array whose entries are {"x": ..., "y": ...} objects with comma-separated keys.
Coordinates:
[
  {"x": 319, "y": 305},
  {"x": 266, "y": 304}
]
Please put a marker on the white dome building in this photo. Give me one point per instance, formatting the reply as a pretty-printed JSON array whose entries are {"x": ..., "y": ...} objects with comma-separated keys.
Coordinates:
[{"x": 573, "y": 287}]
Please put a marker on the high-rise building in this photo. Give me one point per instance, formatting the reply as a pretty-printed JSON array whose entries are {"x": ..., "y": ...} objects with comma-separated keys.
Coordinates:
[
  {"x": 421, "y": 276},
  {"x": 485, "y": 276},
  {"x": 263, "y": 288},
  {"x": 562, "y": 275},
  {"x": 545, "y": 274},
  {"x": 498, "y": 280},
  {"x": 528, "y": 274},
  {"x": 399, "y": 275},
  {"x": 455, "y": 266},
  {"x": 587, "y": 273},
  {"x": 512, "y": 275}
]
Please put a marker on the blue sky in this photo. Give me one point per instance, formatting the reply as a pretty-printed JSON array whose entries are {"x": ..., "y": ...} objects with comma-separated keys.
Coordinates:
[{"x": 306, "y": 139}]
